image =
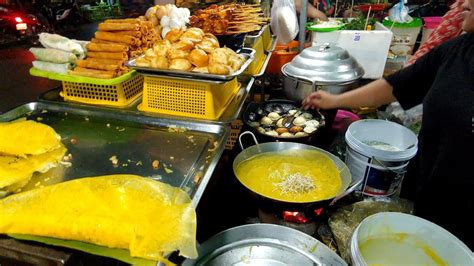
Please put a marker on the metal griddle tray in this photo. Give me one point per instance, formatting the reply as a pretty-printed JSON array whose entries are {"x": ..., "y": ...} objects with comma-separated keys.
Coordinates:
[
  {"x": 247, "y": 53},
  {"x": 94, "y": 135}
]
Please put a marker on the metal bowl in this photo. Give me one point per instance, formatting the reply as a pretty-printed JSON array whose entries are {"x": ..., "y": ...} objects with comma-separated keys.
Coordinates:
[{"x": 264, "y": 244}]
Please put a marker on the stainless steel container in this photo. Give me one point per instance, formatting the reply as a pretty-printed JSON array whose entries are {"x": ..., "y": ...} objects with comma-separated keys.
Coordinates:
[
  {"x": 325, "y": 67},
  {"x": 264, "y": 244}
]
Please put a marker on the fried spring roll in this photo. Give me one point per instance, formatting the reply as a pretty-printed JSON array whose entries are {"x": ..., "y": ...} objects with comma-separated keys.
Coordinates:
[
  {"x": 95, "y": 40},
  {"x": 108, "y": 61},
  {"x": 118, "y": 26},
  {"x": 106, "y": 47},
  {"x": 124, "y": 20},
  {"x": 136, "y": 34},
  {"x": 94, "y": 64},
  {"x": 113, "y": 37},
  {"x": 106, "y": 55},
  {"x": 93, "y": 73}
]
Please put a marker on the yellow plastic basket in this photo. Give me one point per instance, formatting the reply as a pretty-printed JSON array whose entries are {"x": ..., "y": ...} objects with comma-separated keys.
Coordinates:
[
  {"x": 118, "y": 95},
  {"x": 116, "y": 92},
  {"x": 235, "y": 128},
  {"x": 188, "y": 98}
]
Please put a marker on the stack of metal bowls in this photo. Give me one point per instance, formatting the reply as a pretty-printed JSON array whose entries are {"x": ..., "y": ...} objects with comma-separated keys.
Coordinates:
[{"x": 325, "y": 67}]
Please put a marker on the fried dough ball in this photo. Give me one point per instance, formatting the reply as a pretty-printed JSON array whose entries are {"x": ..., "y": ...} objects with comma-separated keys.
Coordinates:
[
  {"x": 201, "y": 69},
  {"x": 198, "y": 58},
  {"x": 180, "y": 64},
  {"x": 194, "y": 35},
  {"x": 174, "y": 34},
  {"x": 174, "y": 53},
  {"x": 219, "y": 69},
  {"x": 159, "y": 62},
  {"x": 161, "y": 47},
  {"x": 208, "y": 44},
  {"x": 219, "y": 56},
  {"x": 142, "y": 62},
  {"x": 184, "y": 45}
]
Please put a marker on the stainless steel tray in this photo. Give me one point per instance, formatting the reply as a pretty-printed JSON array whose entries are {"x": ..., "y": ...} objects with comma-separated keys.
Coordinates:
[
  {"x": 93, "y": 135},
  {"x": 248, "y": 53},
  {"x": 230, "y": 114}
]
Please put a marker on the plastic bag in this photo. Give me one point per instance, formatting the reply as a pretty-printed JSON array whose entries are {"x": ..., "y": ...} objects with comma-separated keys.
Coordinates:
[
  {"x": 284, "y": 22},
  {"x": 399, "y": 13}
]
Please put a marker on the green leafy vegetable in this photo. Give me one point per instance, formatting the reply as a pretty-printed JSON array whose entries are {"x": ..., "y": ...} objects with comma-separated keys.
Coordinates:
[{"x": 358, "y": 23}]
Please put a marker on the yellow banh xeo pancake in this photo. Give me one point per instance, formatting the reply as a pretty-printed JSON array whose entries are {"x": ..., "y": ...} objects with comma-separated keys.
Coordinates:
[
  {"x": 21, "y": 138},
  {"x": 18, "y": 170},
  {"x": 147, "y": 217},
  {"x": 291, "y": 176}
]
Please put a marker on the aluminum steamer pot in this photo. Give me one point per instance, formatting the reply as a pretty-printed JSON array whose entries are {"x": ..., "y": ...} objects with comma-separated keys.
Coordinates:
[
  {"x": 276, "y": 205},
  {"x": 326, "y": 67}
]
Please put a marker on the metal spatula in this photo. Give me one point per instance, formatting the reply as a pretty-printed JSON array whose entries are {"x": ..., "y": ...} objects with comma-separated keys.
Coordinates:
[{"x": 287, "y": 121}]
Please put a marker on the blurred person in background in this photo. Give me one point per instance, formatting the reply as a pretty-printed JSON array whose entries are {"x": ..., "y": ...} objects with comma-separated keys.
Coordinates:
[
  {"x": 450, "y": 27},
  {"x": 313, "y": 12},
  {"x": 440, "y": 179}
]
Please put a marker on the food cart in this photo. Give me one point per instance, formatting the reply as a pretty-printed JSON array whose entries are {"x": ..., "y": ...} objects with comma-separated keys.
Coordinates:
[{"x": 191, "y": 129}]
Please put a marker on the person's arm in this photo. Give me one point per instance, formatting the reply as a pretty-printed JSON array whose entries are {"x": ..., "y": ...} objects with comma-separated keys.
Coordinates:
[
  {"x": 374, "y": 94},
  {"x": 312, "y": 11}
]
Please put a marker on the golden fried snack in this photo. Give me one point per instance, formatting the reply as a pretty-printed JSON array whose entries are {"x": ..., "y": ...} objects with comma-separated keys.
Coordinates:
[
  {"x": 94, "y": 64},
  {"x": 159, "y": 62},
  {"x": 93, "y": 73},
  {"x": 95, "y": 40},
  {"x": 150, "y": 54},
  {"x": 219, "y": 69},
  {"x": 123, "y": 20},
  {"x": 204, "y": 70},
  {"x": 184, "y": 45},
  {"x": 180, "y": 64},
  {"x": 133, "y": 33},
  {"x": 109, "y": 47},
  {"x": 106, "y": 55},
  {"x": 142, "y": 62},
  {"x": 219, "y": 56},
  {"x": 174, "y": 34},
  {"x": 193, "y": 34},
  {"x": 161, "y": 47},
  {"x": 211, "y": 36},
  {"x": 104, "y": 26},
  {"x": 174, "y": 53},
  {"x": 114, "y": 37},
  {"x": 208, "y": 44},
  {"x": 198, "y": 58}
]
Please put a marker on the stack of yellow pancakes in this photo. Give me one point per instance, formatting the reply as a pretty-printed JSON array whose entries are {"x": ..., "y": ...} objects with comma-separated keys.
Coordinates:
[{"x": 27, "y": 147}]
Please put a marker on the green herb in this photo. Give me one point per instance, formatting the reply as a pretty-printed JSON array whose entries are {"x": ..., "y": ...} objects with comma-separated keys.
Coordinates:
[{"x": 358, "y": 23}]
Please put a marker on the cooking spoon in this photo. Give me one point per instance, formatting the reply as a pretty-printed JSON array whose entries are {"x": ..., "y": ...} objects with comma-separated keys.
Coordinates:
[{"x": 287, "y": 121}]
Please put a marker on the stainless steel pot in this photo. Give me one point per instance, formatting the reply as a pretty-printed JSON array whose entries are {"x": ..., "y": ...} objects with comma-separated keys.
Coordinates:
[
  {"x": 324, "y": 67},
  {"x": 264, "y": 244},
  {"x": 346, "y": 187}
]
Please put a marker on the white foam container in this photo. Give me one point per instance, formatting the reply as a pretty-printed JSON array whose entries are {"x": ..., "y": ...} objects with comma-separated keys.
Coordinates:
[
  {"x": 448, "y": 247},
  {"x": 369, "y": 48}
]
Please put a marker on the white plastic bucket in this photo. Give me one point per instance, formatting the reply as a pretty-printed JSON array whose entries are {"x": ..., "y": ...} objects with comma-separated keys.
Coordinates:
[
  {"x": 381, "y": 171},
  {"x": 430, "y": 239}
]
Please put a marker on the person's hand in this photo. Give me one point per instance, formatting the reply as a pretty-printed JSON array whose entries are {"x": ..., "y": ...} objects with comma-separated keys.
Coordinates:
[{"x": 320, "y": 100}]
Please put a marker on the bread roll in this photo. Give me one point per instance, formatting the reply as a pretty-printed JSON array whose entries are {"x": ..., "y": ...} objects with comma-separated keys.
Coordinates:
[
  {"x": 198, "y": 58},
  {"x": 180, "y": 64}
]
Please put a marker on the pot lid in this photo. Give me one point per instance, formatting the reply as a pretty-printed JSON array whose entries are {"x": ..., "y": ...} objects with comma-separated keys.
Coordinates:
[
  {"x": 264, "y": 244},
  {"x": 325, "y": 63}
]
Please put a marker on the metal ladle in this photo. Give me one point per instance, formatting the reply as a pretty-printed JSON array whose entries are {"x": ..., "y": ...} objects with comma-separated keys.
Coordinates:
[{"x": 287, "y": 121}]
